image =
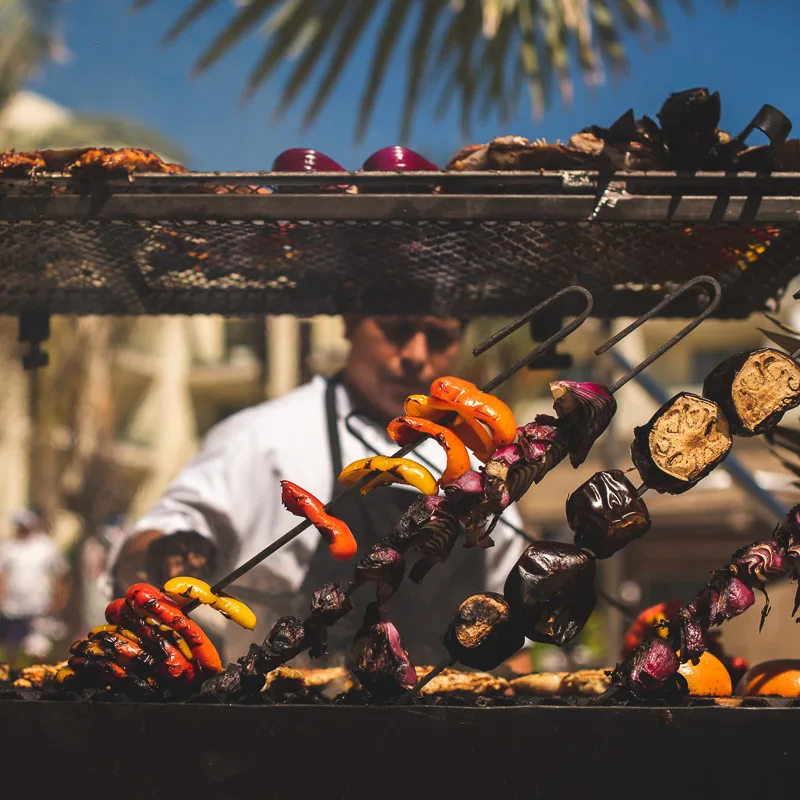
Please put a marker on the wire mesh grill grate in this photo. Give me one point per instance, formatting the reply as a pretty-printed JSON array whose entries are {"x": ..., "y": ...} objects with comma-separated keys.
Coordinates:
[{"x": 441, "y": 267}]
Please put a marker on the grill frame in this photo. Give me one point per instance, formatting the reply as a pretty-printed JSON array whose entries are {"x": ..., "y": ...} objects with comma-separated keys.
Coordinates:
[
  {"x": 395, "y": 247},
  {"x": 148, "y": 751}
]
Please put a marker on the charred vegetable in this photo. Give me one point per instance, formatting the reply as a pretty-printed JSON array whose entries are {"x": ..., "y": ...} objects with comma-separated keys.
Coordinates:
[
  {"x": 651, "y": 670},
  {"x": 329, "y": 604},
  {"x": 384, "y": 566},
  {"x": 588, "y": 408},
  {"x": 683, "y": 441},
  {"x": 482, "y": 634},
  {"x": 606, "y": 513},
  {"x": 754, "y": 389},
  {"x": 382, "y": 663},
  {"x": 551, "y": 591}
]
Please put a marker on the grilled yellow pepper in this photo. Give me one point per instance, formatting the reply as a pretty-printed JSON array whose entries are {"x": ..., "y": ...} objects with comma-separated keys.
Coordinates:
[
  {"x": 184, "y": 589},
  {"x": 393, "y": 470}
]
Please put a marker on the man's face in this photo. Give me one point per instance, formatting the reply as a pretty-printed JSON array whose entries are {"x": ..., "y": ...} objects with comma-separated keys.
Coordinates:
[{"x": 393, "y": 357}]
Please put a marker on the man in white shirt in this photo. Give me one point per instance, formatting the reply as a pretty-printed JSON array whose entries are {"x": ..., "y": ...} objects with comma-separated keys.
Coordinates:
[
  {"x": 33, "y": 585},
  {"x": 228, "y": 496}
]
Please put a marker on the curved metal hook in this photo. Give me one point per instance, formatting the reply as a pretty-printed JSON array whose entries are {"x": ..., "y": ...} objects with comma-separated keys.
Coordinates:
[
  {"x": 492, "y": 340},
  {"x": 712, "y": 304}
]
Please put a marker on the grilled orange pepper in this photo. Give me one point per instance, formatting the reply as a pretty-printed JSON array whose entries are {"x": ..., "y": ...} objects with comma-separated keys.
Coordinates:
[
  {"x": 183, "y": 588},
  {"x": 486, "y": 408},
  {"x": 393, "y": 470},
  {"x": 405, "y": 430},
  {"x": 337, "y": 535},
  {"x": 465, "y": 426}
]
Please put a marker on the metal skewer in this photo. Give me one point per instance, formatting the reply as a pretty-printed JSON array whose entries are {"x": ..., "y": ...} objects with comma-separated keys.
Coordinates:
[
  {"x": 632, "y": 373},
  {"x": 482, "y": 347},
  {"x": 669, "y": 344}
]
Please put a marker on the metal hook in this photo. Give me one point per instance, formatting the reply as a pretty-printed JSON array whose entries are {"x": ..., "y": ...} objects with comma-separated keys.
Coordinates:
[
  {"x": 712, "y": 304},
  {"x": 505, "y": 331}
]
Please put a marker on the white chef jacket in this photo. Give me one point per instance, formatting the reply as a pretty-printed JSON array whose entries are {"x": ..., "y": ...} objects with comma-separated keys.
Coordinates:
[{"x": 230, "y": 491}]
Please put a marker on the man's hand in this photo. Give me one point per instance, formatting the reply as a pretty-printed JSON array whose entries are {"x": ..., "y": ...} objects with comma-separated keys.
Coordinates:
[{"x": 180, "y": 553}]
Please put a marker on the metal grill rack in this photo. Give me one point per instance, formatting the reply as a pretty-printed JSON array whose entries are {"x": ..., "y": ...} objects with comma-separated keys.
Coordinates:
[{"x": 466, "y": 243}]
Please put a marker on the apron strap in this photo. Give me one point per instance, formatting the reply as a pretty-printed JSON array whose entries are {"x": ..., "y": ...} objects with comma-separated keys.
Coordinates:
[{"x": 334, "y": 443}]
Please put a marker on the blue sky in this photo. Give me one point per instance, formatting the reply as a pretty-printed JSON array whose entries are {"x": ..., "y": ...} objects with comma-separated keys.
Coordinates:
[{"x": 118, "y": 67}]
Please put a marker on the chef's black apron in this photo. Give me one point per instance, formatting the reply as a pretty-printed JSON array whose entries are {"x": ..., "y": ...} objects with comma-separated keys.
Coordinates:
[{"x": 422, "y": 611}]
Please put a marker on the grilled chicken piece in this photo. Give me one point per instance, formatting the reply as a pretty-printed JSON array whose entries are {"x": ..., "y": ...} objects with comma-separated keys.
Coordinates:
[
  {"x": 518, "y": 153},
  {"x": 126, "y": 160},
  {"x": 20, "y": 165}
]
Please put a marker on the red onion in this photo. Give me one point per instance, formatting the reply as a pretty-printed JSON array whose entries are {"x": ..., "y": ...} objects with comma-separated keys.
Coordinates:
[
  {"x": 300, "y": 159},
  {"x": 761, "y": 561},
  {"x": 329, "y": 604},
  {"x": 398, "y": 159},
  {"x": 425, "y": 514},
  {"x": 286, "y": 639},
  {"x": 589, "y": 407},
  {"x": 535, "y": 438},
  {"x": 384, "y": 566},
  {"x": 651, "y": 668},
  {"x": 478, "y": 499},
  {"x": 382, "y": 663}
]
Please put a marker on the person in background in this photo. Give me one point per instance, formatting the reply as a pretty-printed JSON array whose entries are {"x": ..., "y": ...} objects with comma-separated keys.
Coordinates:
[
  {"x": 225, "y": 505},
  {"x": 34, "y": 588}
]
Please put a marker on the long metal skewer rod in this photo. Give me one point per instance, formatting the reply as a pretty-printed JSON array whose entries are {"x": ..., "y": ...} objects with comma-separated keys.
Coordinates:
[
  {"x": 668, "y": 345},
  {"x": 488, "y": 387}
]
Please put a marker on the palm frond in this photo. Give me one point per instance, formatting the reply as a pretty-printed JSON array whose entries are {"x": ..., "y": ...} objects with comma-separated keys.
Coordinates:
[
  {"x": 359, "y": 18},
  {"x": 323, "y": 29},
  {"x": 385, "y": 45},
  {"x": 185, "y": 20},
  {"x": 545, "y": 42},
  {"x": 420, "y": 60}
]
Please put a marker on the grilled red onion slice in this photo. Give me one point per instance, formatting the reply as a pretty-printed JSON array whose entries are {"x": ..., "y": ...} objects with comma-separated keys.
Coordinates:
[
  {"x": 384, "y": 566},
  {"x": 551, "y": 591},
  {"x": 286, "y": 640},
  {"x": 478, "y": 499},
  {"x": 382, "y": 663},
  {"x": 329, "y": 604},
  {"x": 652, "y": 668},
  {"x": 414, "y": 526},
  {"x": 589, "y": 408}
]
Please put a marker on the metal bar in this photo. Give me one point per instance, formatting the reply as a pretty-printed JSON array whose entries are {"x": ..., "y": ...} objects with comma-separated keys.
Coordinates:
[
  {"x": 568, "y": 179},
  {"x": 395, "y": 207},
  {"x": 738, "y": 472}
]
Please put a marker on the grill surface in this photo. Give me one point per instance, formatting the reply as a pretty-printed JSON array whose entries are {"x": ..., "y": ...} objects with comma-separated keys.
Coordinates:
[
  {"x": 147, "y": 751},
  {"x": 213, "y": 244}
]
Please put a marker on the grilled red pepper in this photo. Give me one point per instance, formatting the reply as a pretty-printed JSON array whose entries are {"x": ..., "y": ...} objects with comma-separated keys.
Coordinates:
[
  {"x": 337, "y": 535},
  {"x": 147, "y": 601},
  {"x": 172, "y": 663}
]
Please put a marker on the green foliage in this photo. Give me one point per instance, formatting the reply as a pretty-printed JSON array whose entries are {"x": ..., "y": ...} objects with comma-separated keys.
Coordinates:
[{"x": 480, "y": 54}]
